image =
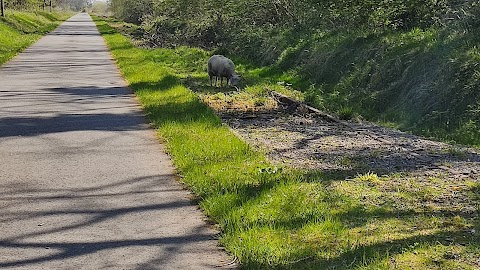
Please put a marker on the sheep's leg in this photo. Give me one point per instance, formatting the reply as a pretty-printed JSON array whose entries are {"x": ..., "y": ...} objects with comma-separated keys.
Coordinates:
[
  {"x": 210, "y": 80},
  {"x": 221, "y": 81}
]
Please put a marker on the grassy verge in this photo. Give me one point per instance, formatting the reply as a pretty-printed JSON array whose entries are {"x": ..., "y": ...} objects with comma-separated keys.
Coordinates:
[
  {"x": 18, "y": 30},
  {"x": 278, "y": 218},
  {"x": 420, "y": 80}
]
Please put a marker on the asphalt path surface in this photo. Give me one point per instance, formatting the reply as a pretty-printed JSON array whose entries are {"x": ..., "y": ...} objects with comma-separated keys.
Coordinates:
[{"x": 84, "y": 183}]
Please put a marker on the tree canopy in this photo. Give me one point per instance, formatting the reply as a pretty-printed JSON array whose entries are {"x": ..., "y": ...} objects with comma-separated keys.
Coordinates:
[
  {"x": 75, "y": 5},
  {"x": 245, "y": 26}
]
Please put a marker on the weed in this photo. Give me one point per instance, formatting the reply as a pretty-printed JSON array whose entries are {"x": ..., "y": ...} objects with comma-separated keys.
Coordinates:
[
  {"x": 346, "y": 113},
  {"x": 368, "y": 177},
  {"x": 458, "y": 152}
]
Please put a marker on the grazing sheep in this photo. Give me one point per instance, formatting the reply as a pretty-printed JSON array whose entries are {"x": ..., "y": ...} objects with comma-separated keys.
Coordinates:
[{"x": 220, "y": 66}]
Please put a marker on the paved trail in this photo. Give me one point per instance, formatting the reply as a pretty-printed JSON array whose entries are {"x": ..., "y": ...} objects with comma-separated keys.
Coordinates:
[{"x": 84, "y": 184}]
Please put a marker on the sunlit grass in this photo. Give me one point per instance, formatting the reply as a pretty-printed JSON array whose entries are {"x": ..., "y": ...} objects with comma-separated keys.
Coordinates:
[
  {"x": 18, "y": 30},
  {"x": 278, "y": 218}
]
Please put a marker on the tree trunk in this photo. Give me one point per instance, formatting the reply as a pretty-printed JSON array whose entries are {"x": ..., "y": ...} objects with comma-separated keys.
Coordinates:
[{"x": 2, "y": 4}]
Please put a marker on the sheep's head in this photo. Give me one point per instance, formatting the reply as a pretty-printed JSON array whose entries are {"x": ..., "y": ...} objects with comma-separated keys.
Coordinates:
[{"x": 235, "y": 80}]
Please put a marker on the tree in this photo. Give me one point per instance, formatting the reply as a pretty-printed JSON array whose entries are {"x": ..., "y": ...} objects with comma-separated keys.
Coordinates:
[
  {"x": 99, "y": 7},
  {"x": 132, "y": 11},
  {"x": 75, "y": 5}
]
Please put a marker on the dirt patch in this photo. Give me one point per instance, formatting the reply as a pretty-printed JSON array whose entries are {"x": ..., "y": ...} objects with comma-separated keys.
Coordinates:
[
  {"x": 441, "y": 177},
  {"x": 311, "y": 142}
]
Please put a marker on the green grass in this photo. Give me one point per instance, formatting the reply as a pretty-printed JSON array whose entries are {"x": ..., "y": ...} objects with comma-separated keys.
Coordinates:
[
  {"x": 421, "y": 80},
  {"x": 279, "y": 218},
  {"x": 18, "y": 30}
]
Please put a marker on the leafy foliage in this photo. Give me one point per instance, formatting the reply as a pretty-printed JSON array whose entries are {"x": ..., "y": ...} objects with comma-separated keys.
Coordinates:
[
  {"x": 33, "y": 5},
  {"x": 410, "y": 62}
]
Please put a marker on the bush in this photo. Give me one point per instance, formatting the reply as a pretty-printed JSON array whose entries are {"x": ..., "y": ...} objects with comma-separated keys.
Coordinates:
[{"x": 413, "y": 62}]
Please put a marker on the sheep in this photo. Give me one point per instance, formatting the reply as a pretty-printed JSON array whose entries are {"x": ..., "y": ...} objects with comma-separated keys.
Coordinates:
[{"x": 220, "y": 66}]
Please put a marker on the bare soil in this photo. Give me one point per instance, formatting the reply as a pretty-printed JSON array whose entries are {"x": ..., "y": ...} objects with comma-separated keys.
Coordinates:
[{"x": 294, "y": 137}]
